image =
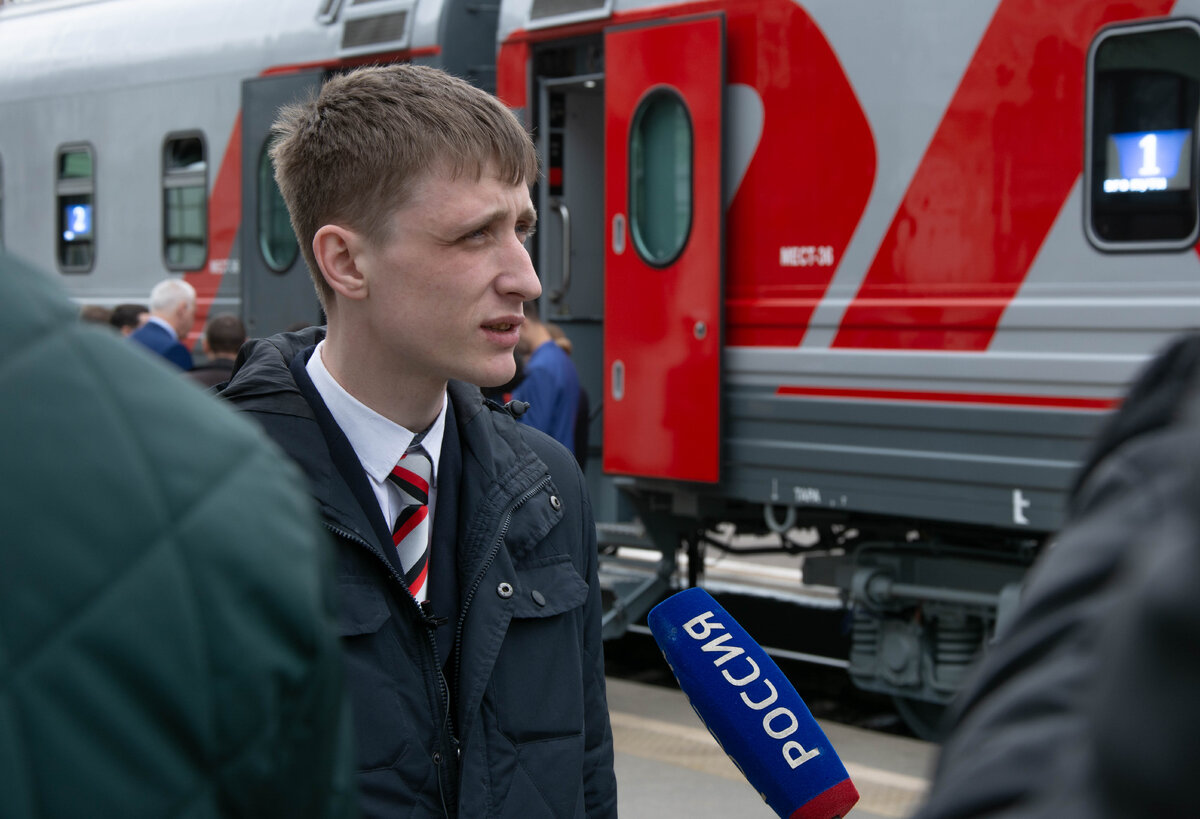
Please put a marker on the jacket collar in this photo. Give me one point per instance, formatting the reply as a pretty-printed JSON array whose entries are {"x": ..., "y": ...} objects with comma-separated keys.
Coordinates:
[{"x": 496, "y": 462}]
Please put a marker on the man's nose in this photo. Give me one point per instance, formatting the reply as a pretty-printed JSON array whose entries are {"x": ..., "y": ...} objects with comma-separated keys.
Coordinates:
[{"x": 520, "y": 279}]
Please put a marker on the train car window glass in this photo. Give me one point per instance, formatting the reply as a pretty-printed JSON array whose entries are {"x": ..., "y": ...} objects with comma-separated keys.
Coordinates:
[
  {"x": 1140, "y": 165},
  {"x": 328, "y": 11},
  {"x": 275, "y": 237},
  {"x": 660, "y": 170},
  {"x": 75, "y": 202},
  {"x": 185, "y": 202},
  {"x": 1, "y": 204}
]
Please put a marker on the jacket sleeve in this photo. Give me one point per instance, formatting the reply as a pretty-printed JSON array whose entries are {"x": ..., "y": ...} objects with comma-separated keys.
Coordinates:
[
  {"x": 600, "y": 783},
  {"x": 277, "y": 642}
]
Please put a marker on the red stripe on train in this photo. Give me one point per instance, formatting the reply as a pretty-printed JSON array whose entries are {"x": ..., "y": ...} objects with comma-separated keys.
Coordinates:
[
  {"x": 224, "y": 216},
  {"x": 1003, "y": 161},
  {"x": 1040, "y": 401}
]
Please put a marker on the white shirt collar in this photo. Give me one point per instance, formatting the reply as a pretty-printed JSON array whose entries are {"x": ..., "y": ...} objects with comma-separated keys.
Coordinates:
[{"x": 378, "y": 441}]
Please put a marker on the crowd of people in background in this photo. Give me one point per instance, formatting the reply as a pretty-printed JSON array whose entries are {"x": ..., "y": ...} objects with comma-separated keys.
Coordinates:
[
  {"x": 546, "y": 378},
  {"x": 163, "y": 327}
]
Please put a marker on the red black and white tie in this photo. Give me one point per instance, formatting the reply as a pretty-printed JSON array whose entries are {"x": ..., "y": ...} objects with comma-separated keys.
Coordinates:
[{"x": 411, "y": 532}]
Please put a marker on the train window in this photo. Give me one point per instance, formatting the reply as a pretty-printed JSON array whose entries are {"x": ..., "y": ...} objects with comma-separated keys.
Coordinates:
[
  {"x": 660, "y": 184},
  {"x": 75, "y": 189},
  {"x": 1140, "y": 167},
  {"x": 1, "y": 204},
  {"x": 185, "y": 202},
  {"x": 275, "y": 237}
]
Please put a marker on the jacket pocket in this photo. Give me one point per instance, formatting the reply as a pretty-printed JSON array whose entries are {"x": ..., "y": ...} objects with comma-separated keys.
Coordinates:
[
  {"x": 537, "y": 683},
  {"x": 381, "y": 680},
  {"x": 547, "y": 781}
]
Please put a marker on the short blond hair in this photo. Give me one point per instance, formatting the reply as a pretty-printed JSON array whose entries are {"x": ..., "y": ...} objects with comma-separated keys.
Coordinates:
[{"x": 351, "y": 154}]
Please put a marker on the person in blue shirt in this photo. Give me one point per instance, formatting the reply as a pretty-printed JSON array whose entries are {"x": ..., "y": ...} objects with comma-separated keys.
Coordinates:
[{"x": 550, "y": 384}]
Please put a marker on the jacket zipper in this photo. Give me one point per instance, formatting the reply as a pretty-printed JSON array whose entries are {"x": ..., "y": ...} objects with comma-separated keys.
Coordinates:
[
  {"x": 487, "y": 563},
  {"x": 443, "y": 689}
]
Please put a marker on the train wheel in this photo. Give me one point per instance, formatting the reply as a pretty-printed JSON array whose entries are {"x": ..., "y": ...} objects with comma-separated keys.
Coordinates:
[{"x": 925, "y": 719}]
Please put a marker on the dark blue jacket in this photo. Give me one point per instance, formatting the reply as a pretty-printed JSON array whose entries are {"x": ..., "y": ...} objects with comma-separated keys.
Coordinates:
[
  {"x": 518, "y": 651},
  {"x": 158, "y": 340}
]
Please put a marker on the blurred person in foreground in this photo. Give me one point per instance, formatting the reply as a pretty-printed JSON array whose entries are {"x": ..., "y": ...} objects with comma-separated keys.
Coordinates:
[
  {"x": 474, "y": 652},
  {"x": 167, "y": 642},
  {"x": 172, "y": 315},
  {"x": 549, "y": 383},
  {"x": 223, "y": 336},
  {"x": 1086, "y": 705}
]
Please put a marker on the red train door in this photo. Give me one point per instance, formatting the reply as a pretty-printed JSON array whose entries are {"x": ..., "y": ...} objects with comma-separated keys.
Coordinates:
[{"x": 665, "y": 249}]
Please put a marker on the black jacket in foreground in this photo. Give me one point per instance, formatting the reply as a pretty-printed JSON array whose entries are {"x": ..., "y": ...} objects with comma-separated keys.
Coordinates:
[
  {"x": 520, "y": 655},
  {"x": 1087, "y": 705}
]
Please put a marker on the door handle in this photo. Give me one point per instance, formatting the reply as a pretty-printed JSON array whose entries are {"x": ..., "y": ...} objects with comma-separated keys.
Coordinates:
[{"x": 565, "y": 215}]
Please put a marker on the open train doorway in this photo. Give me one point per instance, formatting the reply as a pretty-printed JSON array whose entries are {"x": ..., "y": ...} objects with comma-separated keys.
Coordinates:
[{"x": 570, "y": 129}]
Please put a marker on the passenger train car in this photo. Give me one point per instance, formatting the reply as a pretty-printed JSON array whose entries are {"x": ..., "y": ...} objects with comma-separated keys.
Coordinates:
[
  {"x": 871, "y": 273},
  {"x": 133, "y": 135},
  {"x": 876, "y": 271}
]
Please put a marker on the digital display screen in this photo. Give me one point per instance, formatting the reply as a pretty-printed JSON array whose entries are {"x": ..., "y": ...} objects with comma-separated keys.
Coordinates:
[
  {"x": 77, "y": 221},
  {"x": 1145, "y": 161},
  {"x": 1140, "y": 178}
]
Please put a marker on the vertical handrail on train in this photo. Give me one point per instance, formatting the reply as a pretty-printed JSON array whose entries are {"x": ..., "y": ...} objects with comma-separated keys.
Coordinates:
[{"x": 565, "y": 215}]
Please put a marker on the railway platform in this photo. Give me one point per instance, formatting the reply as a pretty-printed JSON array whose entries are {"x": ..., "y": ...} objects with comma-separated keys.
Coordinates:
[{"x": 669, "y": 765}]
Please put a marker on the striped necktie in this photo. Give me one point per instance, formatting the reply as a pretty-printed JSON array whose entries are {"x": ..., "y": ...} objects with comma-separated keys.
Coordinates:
[{"x": 411, "y": 532}]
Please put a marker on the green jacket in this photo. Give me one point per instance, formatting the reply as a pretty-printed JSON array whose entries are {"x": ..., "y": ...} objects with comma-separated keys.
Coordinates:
[{"x": 167, "y": 644}]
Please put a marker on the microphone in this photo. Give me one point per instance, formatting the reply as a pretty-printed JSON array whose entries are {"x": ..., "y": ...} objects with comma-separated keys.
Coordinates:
[{"x": 751, "y": 709}]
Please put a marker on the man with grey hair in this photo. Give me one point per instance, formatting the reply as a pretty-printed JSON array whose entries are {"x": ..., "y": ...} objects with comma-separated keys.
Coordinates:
[
  {"x": 467, "y": 557},
  {"x": 172, "y": 314}
]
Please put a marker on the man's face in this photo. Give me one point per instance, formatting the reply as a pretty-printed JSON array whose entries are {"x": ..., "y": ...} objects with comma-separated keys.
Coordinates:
[{"x": 445, "y": 288}]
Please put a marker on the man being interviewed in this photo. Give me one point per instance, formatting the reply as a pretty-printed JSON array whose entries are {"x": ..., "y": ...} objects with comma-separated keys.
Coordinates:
[{"x": 474, "y": 655}]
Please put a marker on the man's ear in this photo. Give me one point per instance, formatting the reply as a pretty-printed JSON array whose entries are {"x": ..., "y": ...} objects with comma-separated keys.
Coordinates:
[{"x": 336, "y": 250}]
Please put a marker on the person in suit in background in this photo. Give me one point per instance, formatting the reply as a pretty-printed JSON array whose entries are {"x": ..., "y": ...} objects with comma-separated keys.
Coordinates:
[
  {"x": 223, "y": 337},
  {"x": 172, "y": 314}
]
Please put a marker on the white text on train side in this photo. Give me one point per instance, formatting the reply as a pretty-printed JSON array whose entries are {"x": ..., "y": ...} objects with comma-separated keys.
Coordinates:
[
  {"x": 1135, "y": 185},
  {"x": 806, "y": 256},
  {"x": 806, "y": 494},
  {"x": 779, "y": 723}
]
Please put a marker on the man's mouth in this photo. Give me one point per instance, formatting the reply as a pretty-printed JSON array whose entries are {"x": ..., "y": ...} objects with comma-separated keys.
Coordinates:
[{"x": 500, "y": 328}]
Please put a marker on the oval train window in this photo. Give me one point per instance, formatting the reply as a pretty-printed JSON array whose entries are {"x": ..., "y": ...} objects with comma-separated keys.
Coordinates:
[
  {"x": 660, "y": 171},
  {"x": 275, "y": 237}
]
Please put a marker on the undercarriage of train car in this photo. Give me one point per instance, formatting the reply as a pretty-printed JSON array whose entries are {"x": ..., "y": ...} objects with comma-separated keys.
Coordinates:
[{"x": 922, "y": 599}]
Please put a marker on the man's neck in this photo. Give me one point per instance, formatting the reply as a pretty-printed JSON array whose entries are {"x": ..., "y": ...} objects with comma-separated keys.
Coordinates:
[{"x": 412, "y": 403}]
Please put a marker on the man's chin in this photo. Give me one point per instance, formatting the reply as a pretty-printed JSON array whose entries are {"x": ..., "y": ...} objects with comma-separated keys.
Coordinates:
[{"x": 493, "y": 378}]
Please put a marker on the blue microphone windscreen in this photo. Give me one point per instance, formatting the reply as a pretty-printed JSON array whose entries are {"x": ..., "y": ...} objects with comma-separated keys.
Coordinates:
[{"x": 751, "y": 708}]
